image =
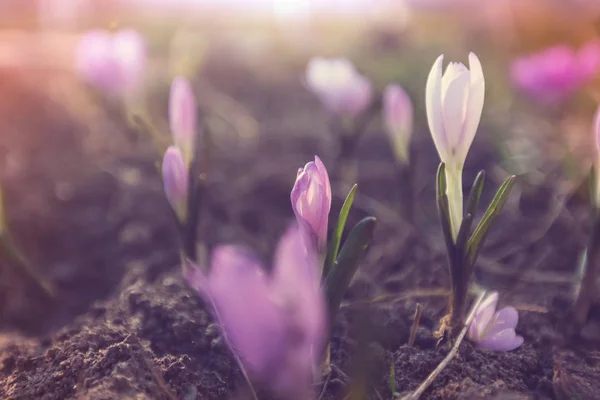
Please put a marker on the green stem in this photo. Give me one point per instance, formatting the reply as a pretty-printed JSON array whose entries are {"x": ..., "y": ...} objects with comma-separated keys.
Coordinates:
[{"x": 455, "y": 197}]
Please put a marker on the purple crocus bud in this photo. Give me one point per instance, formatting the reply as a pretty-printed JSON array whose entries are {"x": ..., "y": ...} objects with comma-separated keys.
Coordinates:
[
  {"x": 175, "y": 180},
  {"x": 338, "y": 85},
  {"x": 276, "y": 324},
  {"x": 182, "y": 116},
  {"x": 398, "y": 118},
  {"x": 111, "y": 62},
  {"x": 311, "y": 202},
  {"x": 495, "y": 330}
]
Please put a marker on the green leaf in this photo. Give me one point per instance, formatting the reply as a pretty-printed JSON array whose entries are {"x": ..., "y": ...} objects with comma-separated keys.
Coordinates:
[
  {"x": 474, "y": 196},
  {"x": 467, "y": 222},
  {"x": 334, "y": 244},
  {"x": 347, "y": 263},
  {"x": 476, "y": 241},
  {"x": 443, "y": 209}
]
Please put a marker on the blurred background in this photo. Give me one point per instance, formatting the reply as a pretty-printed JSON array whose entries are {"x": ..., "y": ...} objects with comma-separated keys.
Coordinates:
[{"x": 247, "y": 60}]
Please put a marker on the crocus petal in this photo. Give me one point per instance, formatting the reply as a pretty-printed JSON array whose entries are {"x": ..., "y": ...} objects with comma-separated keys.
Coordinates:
[
  {"x": 505, "y": 340},
  {"x": 175, "y": 177},
  {"x": 311, "y": 202},
  {"x": 433, "y": 105},
  {"x": 455, "y": 85},
  {"x": 506, "y": 318},
  {"x": 182, "y": 115},
  {"x": 483, "y": 316},
  {"x": 296, "y": 283},
  {"x": 474, "y": 106},
  {"x": 241, "y": 295}
]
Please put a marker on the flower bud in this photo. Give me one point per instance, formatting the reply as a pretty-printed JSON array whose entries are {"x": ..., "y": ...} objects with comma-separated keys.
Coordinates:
[
  {"x": 182, "y": 116},
  {"x": 175, "y": 180},
  {"x": 111, "y": 62},
  {"x": 311, "y": 202},
  {"x": 398, "y": 119},
  {"x": 341, "y": 89}
]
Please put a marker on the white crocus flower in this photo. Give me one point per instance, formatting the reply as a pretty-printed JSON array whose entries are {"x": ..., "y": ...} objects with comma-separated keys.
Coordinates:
[{"x": 454, "y": 102}]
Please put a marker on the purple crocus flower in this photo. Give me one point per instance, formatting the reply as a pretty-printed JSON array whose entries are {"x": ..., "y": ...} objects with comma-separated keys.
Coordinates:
[
  {"x": 275, "y": 323},
  {"x": 182, "y": 116},
  {"x": 495, "y": 330},
  {"x": 398, "y": 119},
  {"x": 111, "y": 62},
  {"x": 175, "y": 179},
  {"x": 311, "y": 202},
  {"x": 556, "y": 73},
  {"x": 338, "y": 85}
]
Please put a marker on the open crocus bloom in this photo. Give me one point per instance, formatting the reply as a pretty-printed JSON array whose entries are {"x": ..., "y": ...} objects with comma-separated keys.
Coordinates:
[
  {"x": 311, "y": 202},
  {"x": 276, "y": 323},
  {"x": 338, "y": 85},
  {"x": 495, "y": 330},
  {"x": 111, "y": 62}
]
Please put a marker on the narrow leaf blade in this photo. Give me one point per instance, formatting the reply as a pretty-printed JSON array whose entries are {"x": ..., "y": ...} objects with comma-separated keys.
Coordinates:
[
  {"x": 334, "y": 244},
  {"x": 477, "y": 239},
  {"x": 339, "y": 278}
]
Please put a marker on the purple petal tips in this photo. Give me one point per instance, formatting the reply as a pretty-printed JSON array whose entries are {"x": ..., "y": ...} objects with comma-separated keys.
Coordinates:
[
  {"x": 182, "y": 116},
  {"x": 276, "y": 324},
  {"x": 311, "y": 202},
  {"x": 495, "y": 330},
  {"x": 175, "y": 179}
]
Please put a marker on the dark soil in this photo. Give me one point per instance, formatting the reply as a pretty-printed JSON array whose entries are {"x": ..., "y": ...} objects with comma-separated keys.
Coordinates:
[{"x": 86, "y": 205}]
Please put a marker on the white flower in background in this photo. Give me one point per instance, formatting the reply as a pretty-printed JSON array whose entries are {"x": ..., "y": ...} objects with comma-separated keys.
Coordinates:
[
  {"x": 454, "y": 102},
  {"x": 338, "y": 85}
]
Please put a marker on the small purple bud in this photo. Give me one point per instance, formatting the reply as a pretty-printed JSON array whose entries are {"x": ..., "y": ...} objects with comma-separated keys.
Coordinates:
[
  {"x": 338, "y": 85},
  {"x": 111, "y": 62},
  {"x": 182, "y": 116},
  {"x": 311, "y": 202},
  {"x": 175, "y": 179},
  {"x": 495, "y": 330},
  {"x": 276, "y": 324},
  {"x": 398, "y": 118}
]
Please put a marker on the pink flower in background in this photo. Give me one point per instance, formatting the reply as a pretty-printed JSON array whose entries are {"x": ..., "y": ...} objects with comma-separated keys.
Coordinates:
[
  {"x": 311, "y": 202},
  {"x": 338, "y": 85},
  {"x": 398, "y": 119},
  {"x": 557, "y": 72},
  {"x": 275, "y": 323},
  {"x": 495, "y": 330},
  {"x": 111, "y": 62}
]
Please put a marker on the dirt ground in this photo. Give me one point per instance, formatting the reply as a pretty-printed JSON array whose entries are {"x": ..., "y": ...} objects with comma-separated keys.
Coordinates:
[{"x": 85, "y": 203}]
